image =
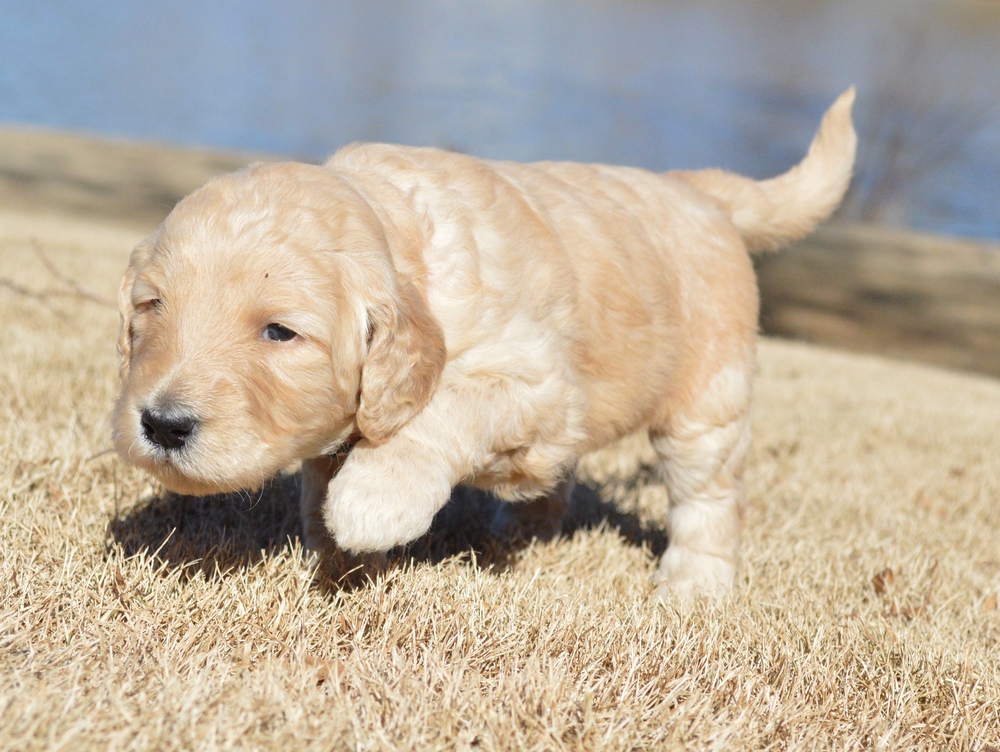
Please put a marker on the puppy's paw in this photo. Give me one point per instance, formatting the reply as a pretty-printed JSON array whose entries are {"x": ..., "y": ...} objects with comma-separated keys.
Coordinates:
[
  {"x": 374, "y": 509},
  {"x": 684, "y": 573}
]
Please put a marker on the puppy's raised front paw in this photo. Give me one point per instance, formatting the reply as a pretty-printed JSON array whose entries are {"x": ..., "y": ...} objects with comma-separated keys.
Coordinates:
[{"x": 371, "y": 507}]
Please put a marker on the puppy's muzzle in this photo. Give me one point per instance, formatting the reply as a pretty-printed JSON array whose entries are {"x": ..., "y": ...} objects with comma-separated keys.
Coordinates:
[{"x": 169, "y": 429}]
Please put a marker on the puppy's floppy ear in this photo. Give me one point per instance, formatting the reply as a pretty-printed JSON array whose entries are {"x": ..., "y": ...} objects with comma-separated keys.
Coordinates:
[
  {"x": 125, "y": 309},
  {"x": 406, "y": 354}
]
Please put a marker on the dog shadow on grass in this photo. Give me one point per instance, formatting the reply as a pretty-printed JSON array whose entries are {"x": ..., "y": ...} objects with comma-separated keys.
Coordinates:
[{"x": 217, "y": 534}]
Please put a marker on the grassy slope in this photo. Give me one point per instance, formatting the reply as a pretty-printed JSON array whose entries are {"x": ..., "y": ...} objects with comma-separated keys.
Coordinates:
[{"x": 222, "y": 640}]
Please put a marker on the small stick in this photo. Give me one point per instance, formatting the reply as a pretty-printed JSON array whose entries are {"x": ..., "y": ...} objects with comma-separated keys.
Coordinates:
[
  {"x": 42, "y": 297},
  {"x": 21, "y": 290},
  {"x": 79, "y": 289}
]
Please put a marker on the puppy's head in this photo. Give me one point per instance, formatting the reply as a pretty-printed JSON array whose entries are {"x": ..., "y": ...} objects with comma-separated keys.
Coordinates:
[{"x": 265, "y": 322}]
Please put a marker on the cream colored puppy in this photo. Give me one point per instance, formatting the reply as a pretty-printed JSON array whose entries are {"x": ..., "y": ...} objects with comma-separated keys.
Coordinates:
[{"x": 457, "y": 320}]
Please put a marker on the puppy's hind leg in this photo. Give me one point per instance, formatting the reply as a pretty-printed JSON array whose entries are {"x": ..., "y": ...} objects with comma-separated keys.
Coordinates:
[{"x": 703, "y": 452}]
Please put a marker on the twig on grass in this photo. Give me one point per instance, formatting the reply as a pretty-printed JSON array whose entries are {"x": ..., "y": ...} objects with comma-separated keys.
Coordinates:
[
  {"x": 42, "y": 296},
  {"x": 22, "y": 290},
  {"x": 79, "y": 289},
  {"x": 76, "y": 290}
]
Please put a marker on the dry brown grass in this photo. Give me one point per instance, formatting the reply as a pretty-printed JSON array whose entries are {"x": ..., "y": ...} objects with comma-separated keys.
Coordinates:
[{"x": 865, "y": 615}]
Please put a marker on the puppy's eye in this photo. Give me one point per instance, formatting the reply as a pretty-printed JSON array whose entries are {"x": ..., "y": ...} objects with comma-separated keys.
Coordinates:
[
  {"x": 153, "y": 305},
  {"x": 278, "y": 333}
]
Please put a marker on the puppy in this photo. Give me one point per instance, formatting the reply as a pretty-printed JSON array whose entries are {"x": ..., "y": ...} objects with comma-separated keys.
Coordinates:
[{"x": 455, "y": 320}]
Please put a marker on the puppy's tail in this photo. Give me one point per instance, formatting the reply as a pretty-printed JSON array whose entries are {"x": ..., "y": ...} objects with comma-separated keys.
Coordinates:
[{"x": 771, "y": 213}]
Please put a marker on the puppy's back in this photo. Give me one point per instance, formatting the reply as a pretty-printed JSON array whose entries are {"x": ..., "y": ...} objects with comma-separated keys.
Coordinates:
[{"x": 629, "y": 274}]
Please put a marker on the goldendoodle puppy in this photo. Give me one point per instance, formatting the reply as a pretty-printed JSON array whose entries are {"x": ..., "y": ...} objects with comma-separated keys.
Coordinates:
[{"x": 455, "y": 320}]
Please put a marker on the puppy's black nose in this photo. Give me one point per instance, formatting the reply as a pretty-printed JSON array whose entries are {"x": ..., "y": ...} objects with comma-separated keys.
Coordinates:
[{"x": 169, "y": 429}]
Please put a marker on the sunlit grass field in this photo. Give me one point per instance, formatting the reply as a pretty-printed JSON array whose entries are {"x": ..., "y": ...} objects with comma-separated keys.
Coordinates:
[{"x": 864, "y": 617}]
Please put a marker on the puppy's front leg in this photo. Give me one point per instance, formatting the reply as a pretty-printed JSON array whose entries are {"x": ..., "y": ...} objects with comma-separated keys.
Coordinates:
[
  {"x": 387, "y": 495},
  {"x": 316, "y": 475}
]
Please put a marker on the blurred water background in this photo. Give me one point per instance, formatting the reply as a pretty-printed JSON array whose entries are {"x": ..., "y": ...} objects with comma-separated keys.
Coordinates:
[{"x": 659, "y": 84}]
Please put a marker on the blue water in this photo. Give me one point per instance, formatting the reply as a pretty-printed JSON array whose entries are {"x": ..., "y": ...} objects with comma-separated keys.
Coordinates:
[{"x": 734, "y": 83}]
